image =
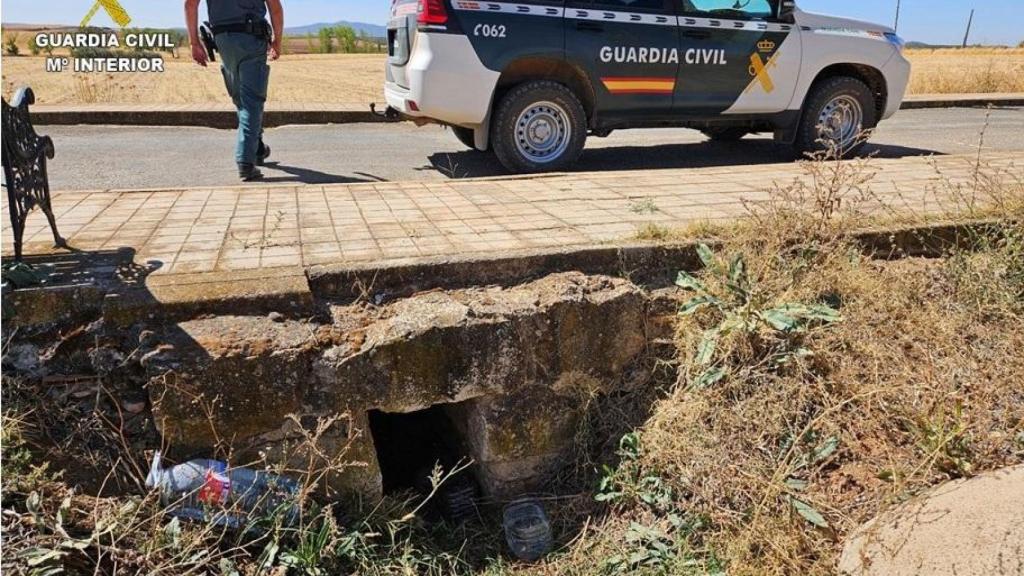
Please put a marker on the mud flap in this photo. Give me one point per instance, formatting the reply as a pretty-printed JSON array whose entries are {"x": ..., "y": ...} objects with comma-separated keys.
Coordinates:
[
  {"x": 786, "y": 124},
  {"x": 482, "y": 134}
]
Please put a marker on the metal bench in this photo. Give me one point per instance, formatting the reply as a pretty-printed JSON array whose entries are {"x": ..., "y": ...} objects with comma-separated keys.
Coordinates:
[{"x": 24, "y": 159}]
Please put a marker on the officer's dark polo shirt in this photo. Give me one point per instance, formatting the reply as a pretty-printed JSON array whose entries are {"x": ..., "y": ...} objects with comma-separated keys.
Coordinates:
[{"x": 235, "y": 11}]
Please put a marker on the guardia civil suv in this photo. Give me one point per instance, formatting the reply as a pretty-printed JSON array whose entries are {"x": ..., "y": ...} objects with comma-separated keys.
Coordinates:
[{"x": 532, "y": 79}]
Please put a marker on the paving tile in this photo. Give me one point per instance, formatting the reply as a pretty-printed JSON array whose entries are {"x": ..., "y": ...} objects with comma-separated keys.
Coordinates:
[{"x": 238, "y": 264}]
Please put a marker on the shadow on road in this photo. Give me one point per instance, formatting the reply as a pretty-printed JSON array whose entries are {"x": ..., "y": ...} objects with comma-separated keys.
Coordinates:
[
  {"x": 473, "y": 164},
  {"x": 309, "y": 176}
]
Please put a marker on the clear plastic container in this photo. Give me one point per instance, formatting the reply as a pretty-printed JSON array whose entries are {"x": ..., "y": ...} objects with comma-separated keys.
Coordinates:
[
  {"x": 210, "y": 491},
  {"x": 527, "y": 530}
]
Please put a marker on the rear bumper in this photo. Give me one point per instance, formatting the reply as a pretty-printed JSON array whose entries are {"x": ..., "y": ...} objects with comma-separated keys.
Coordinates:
[
  {"x": 447, "y": 82},
  {"x": 399, "y": 98}
]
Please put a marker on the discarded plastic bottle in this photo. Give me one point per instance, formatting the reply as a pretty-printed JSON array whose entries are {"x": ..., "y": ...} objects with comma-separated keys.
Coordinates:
[
  {"x": 209, "y": 491},
  {"x": 527, "y": 530}
]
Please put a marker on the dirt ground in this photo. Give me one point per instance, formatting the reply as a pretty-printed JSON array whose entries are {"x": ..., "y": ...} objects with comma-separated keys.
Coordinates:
[{"x": 358, "y": 79}]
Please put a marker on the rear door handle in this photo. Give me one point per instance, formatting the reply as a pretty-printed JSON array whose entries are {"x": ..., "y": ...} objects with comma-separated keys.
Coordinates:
[
  {"x": 697, "y": 34},
  {"x": 589, "y": 26}
]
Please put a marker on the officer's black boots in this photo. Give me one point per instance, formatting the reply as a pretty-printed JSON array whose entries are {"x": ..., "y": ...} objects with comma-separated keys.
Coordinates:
[
  {"x": 262, "y": 154},
  {"x": 249, "y": 173}
]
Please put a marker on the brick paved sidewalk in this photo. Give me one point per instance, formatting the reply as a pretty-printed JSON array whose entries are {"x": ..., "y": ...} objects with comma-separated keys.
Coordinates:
[{"x": 244, "y": 228}]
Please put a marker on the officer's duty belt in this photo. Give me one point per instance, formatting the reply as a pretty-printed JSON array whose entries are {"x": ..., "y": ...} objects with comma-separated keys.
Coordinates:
[{"x": 259, "y": 29}]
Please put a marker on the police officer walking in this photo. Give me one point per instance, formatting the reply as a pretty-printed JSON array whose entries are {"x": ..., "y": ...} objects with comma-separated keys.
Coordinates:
[{"x": 244, "y": 39}]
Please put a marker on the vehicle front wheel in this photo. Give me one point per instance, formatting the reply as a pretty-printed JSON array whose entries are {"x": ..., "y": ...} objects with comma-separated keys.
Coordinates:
[
  {"x": 725, "y": 134},
  {"x": 539, "y": 126},
  {"x": 836, "y": 117}
]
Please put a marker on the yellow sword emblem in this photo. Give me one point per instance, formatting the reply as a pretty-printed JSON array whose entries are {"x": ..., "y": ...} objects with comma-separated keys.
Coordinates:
[
  {"x": 114, "y": 9},
  {"x": 759, "y": 70}
]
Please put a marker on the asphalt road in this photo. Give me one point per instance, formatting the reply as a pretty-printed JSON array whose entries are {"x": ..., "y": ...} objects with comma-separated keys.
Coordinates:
[{"x": 111, "y": 157}]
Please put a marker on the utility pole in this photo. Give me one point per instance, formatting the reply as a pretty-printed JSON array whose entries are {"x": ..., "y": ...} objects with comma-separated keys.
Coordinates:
[
  {"x": 896, "y": 26},
  {"x": 968, "y": 33}
]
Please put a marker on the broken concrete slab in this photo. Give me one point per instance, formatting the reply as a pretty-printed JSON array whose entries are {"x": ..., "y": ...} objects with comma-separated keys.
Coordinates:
[
  {"x": 527, "y": 357},
  {"x": 963, "y": 528},
  {"x": 516, "y": 438},
  {"x": 639, "y": 261},
  {"x": 227, "y": 378},
  {"x": 445, "y": 347}
]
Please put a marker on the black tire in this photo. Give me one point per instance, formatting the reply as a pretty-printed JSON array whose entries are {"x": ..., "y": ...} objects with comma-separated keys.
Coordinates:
[
  {"x": 505, "y": 132},
  {"x": 466, "y": 136},
  {"x": 808, "y": 138},
  {"x": 725, "y": 134}
]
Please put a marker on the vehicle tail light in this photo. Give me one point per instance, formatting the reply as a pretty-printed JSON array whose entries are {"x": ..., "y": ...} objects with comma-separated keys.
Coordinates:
[{"x": 432, "y": 12}]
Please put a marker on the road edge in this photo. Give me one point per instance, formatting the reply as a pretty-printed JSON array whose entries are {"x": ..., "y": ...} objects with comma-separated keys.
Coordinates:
[{"x": 227, "y": 119}]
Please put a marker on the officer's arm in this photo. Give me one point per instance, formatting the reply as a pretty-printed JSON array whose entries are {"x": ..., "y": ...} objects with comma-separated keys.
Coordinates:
[
  {"x": 192, "y": 23},
  {"x": 277, "y": 21}
]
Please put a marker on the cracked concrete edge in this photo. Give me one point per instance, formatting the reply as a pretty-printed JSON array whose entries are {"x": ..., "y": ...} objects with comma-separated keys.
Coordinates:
[
  {"x": 227, "y": 119},
  {"x": 294, "y": 291},
  {"x": 395, "y": 279},
  {"x": 642, "y": 262},
  {"x": 174, "y": 297}
]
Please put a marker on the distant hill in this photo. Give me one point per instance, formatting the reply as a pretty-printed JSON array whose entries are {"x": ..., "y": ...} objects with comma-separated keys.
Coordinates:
[
  {"x": 373, "y": 30},
  {"x": 19, "y": 26},
  {"x": 924, "y": 45}
]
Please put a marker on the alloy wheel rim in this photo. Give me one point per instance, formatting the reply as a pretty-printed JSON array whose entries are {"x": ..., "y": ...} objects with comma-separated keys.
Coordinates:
[{"x": 543, "y": 132}]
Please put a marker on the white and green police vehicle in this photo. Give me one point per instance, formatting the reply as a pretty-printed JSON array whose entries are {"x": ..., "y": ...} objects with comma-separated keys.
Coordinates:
[{"x": 532, "y": 79}]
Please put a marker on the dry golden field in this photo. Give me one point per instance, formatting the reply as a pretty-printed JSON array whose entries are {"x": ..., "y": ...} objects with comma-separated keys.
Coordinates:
[
  {"x": 951, "y": 70},
  {"x": 336, "y": 78},
  {"x": 358, "y": 79}
]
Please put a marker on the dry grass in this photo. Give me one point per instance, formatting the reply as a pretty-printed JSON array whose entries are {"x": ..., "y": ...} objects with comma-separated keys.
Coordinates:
[
  {"x": 915, "y": 386},
  {"x": 352, "y": 79},
  {"x": 357, "y": 79},
  {"x": 974, "y": 70},
  {"x": 771, "y": 449}
]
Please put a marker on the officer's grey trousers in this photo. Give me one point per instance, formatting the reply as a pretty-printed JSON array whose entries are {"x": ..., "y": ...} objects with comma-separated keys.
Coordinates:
[{"x": 247, "y": 75}]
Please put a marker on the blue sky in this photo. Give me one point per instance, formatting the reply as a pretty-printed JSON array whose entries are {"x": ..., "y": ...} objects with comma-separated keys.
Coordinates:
[{"x": 934, "y": 21}]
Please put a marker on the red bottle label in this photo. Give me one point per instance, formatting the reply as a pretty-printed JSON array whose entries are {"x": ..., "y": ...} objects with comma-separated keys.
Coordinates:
[{"x": 216, "y": 488}]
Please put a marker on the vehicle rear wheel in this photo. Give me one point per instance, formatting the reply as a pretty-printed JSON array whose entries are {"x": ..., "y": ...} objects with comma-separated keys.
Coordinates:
[
  {"x": 539, "y": 126},
  {"x": 465, "y": 135},
  {"x": 725, "y": 134},
  {"x": 836, "y": 116}
]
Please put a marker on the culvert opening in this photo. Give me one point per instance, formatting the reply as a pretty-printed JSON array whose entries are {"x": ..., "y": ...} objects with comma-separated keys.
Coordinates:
[{"x": 408, "y": 447}]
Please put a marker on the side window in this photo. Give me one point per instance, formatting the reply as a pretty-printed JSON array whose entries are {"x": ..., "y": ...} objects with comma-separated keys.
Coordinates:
[
  {"x": 745, "y": 9},
  {"x": 629, "y": 5}
]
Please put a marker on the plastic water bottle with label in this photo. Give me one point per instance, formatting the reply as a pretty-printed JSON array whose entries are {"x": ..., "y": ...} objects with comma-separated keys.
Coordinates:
[{"x": 210, "y": 491}]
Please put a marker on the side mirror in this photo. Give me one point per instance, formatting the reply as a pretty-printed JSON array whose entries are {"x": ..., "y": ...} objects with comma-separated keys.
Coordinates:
[{"x": 786, "y": 9}]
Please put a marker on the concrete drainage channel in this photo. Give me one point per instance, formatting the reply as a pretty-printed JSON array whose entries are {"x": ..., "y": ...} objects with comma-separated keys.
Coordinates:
[
  {"x": 498, "y": 376},
  {"x": 391, "y": 371}
]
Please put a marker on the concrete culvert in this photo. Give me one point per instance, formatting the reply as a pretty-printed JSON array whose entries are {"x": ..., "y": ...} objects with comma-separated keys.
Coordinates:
[{"x": 410, "y": 445}]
